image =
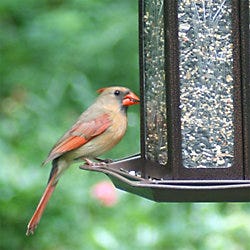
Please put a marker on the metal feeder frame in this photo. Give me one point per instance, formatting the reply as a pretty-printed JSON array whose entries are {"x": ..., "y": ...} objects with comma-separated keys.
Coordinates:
[{"x": 173, "y": 182}]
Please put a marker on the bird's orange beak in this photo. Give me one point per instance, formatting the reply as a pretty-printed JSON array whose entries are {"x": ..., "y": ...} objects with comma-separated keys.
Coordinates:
[{"x": 130, "y": 99}]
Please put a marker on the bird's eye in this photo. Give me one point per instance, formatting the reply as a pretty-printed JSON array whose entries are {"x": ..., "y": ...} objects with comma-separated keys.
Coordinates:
[{"x": 117, "y": 92}]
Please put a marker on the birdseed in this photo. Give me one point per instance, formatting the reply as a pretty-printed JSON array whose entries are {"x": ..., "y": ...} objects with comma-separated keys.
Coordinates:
[
  {"x": 155, "y": 93},
  {"x": 206, "y": 83}
]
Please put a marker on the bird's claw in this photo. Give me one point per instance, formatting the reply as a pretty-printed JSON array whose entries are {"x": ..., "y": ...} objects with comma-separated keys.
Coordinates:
[
  {"x": 101, "y": 163},
  {"x": 106, "y": 161}
]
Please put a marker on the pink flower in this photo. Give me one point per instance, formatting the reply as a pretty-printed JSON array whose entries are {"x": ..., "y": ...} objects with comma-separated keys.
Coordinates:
[{"x": 105, "y": 193}]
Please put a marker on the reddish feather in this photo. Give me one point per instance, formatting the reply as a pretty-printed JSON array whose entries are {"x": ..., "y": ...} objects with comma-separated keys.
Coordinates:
[
  {"x": 68, "y": 144},
  {"x": 42, "y": 204},
  {"x": 99, "y": 91},
  {"x": 80, "y": 133}
]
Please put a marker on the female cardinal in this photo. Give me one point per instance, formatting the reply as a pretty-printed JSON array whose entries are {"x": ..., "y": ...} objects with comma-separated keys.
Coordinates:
[{"x": 97, "y": 130}]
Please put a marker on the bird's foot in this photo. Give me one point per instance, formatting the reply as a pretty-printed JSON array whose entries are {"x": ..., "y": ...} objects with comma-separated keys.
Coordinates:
[
  {"x": 89, "y": 164},
  {"x": 106, "y": 161},
  {"x": 95, "y": 164}
]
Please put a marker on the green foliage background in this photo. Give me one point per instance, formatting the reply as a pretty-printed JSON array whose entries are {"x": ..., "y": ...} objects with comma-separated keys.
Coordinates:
[{"x": 54, "y": 54}]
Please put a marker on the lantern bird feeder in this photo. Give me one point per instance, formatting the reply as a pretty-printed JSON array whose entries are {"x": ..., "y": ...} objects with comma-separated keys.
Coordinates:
[{"x": 195, "y": 104}]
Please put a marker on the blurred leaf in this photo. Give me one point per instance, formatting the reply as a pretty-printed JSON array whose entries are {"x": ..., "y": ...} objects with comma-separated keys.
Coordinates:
[{"x": 54, "y": 55}]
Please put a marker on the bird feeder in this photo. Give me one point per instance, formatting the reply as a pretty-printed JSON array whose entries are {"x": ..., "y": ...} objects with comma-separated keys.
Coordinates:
[{"x": 195, "y": 103}]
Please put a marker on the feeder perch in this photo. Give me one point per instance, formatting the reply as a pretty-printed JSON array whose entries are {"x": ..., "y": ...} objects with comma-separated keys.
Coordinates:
[{"x": 195, "y": 104}]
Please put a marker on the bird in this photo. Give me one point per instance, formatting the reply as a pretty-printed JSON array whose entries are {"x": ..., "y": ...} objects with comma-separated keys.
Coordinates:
[{"x": 98, "y": 129}]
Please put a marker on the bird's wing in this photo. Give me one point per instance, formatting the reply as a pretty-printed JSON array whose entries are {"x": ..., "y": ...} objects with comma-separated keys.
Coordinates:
[{"x": 79, "y": 134}]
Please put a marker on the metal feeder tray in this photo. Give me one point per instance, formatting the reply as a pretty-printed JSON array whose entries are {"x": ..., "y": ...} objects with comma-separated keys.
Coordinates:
[{"x": 144, "y": 178}]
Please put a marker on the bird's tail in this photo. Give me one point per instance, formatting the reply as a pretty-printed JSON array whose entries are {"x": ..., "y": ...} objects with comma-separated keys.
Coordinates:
[{"x": 53, "y": 179}]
